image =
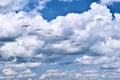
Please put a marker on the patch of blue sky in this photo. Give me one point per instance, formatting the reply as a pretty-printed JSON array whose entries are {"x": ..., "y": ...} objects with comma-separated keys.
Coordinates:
[
  {"x": 56, "y": 8},
  {"x": 115, "y": 7}
]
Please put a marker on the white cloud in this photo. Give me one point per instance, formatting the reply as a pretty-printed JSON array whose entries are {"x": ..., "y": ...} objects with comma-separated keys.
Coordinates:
[
  {"x": 108, "y": 48},
  {"x": 11, "y": 24},
  {"x": 73, "y": 33},
  {"x": 60, "y": 75},
  {"x": 31, "y": 37},
  {"x": 65, "y": 0},
  {"x": 66, "y": 46},
  {"x": 12, "y": 5},
  {"x": 16, "y": 5},
  {"x": 18, "y": 70},
  {"x": 33, "y": 65},
  {"x": 108, "y": 1},
  {"x": 87, "y": 60},
  {"x": 41, "y": 4},
  {"x": 27, "y": 45},
  {"x": 26, "y": 74},
  {"x": 8, "y": 72}
]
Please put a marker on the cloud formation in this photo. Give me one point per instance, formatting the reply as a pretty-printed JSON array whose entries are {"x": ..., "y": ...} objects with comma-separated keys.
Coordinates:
[
  {"x": 91, "y": 74},
  {"x": 28, "y": 41},
  {"x": 60, "y": 75},
  {"x": 25, "y": 34},
  {"x": 18, "y": 71}
]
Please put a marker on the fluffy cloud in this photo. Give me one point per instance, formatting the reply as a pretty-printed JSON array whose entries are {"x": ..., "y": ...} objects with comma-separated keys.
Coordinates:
[
  {"x": 12, "y": 5},
  {"x": 8, "y": 72},
  {"x": 19, "y": 48},
  {"x": 28, "y": 37},
  {"x": 18, "y": 71},
  {"x": 12, "y": 28},
  {"x": 108, "y": 48},
  {"x": 23, "y": 36},
  {"x": 60, "y": 75},
  {"x": 74, "y": 33}
]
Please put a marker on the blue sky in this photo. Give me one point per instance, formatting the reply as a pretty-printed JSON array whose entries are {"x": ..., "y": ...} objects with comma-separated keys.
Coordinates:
[
  {"x": 49, "y": 39},
  {"x": 56, "y": 8}
]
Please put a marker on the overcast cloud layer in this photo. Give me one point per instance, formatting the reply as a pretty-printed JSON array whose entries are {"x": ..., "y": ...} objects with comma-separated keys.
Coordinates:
[{"x": 29, "y": 37}]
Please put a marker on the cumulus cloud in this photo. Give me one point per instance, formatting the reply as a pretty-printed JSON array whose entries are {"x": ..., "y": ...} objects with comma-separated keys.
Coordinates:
[
  {"x": 19, "y": 48},
  {"x": 91, "y": 31},
  {"x": 18, "y": 70},
  {"x": 72, "y": 31},
  {"x": 108, "y": 47},
  {"x": 28, "y": 37}
]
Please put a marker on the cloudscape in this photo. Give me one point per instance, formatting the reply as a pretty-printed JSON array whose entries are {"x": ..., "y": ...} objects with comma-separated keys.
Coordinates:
[{"x": 59, "y": 40}]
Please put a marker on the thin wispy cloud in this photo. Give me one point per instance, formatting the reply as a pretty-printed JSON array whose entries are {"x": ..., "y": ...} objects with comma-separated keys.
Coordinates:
[{"x": 108, "y": 2}]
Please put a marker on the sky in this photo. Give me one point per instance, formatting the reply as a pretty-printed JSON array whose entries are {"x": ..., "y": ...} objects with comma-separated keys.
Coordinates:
[{"x": 59, "y": 39}]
